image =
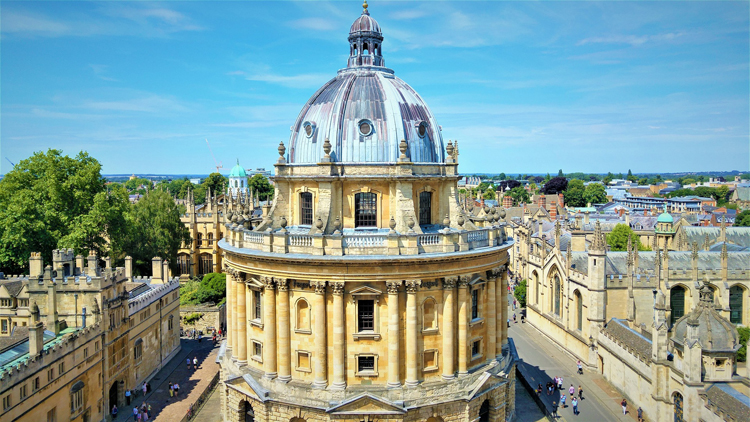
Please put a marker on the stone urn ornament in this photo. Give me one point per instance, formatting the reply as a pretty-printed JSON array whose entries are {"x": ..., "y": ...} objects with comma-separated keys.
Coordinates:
[
  {"x": 336, "y": 226},
  {"x": 282, "y": 151},
  {"x": 392, "y": 225},
  {"x": 410, "y": 223},
  {"x": 282, "y": 223},
  {"x": 502, "y": 212},
  {"x": 461, "y": 221},
  {"x": 447, "y": 220},
  {"x": 319, "y": 224}
]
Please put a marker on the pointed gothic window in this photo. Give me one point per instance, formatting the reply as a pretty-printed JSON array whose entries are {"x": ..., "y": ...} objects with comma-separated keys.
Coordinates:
[
  {"x": 677, "y": 303},
  {"x": 735, "y": 304},
  {"x": 556, "y": 295}
]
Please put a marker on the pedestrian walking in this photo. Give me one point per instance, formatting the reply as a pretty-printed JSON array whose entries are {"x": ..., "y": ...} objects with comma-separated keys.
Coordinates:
[
  {"x": 114, "y": 411},
  {"x": 563, "y": 398},
  {"x": 640, "y": 414},
  {"x": 574, "y": 403},
  {"x": 148, "y": 410},
  {"x": 554, "y": 409},
  {"x": 624, "y": 404},
  {"x": 580, "y": 392},
  {"x": 127, "y": 397},
  {"x": 195, "y": 363},
  {"x": 176, "y": 389},
  {"x": 508, "y": 322},
  {"x": 572, "y": 390},
  {"x": 539, "y": 390},
  {"x": 171, "y": 390},
  {"x": 145, "y": 389},
  {"x": 514, "y": 318},
  {"x": 135, "y": 412},
  {"x": 188, "y": 363},
  {"x": 560, "y": 385},
  {"x": 580, "y": 367}
]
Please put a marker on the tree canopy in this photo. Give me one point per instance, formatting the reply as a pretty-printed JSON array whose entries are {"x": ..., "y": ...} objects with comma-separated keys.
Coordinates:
[
  {"x": 743, "y": 219},
  {"x": 618, "y": 239},
  {"x": 555, "y": 185},
  {"x": 212, "y": 288},
  {"x": 575, "y": 194},
  {"x": 261, "y": 186},
  {"x": 595, "y": 193},
  {"x": 519, "y": 195}
]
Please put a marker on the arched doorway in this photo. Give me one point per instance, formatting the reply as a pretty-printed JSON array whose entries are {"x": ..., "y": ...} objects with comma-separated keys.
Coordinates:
[
  {"x": 113, "y": 394},
  {"x": 247, "y": 412},
  {"x": 678, "y": 414},
  {"x": 484, "y": 412},
  {"x": 677, "y": 303}
]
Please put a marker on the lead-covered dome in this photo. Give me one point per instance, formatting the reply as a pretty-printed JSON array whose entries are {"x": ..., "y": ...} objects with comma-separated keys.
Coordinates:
[
  {"x": 710, "y": 328},
  {"x": 365, "y": 111}
]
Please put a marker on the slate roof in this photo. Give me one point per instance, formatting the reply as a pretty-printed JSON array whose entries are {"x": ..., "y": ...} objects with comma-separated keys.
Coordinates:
[
  {"x": 631, "y": 340},
  {"x": 18, "y": 335},
  {"x": 729, "y": 401},
  {"x": 14, "y": 286},
  {"x": 736, "y": 235},
  {"x": 743, "y": 193}
]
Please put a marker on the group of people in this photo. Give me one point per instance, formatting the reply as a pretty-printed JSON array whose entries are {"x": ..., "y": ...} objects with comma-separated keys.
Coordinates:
[
  {"x": 174, "y": 389},
  {"x": 194, "y": 362},
  {"x": 557, "y": 385},
  {"x": 143, "y": 413}
]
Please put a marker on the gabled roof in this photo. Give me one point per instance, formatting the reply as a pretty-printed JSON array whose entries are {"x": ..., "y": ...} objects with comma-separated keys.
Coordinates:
[{"x": 367, "y": 404}]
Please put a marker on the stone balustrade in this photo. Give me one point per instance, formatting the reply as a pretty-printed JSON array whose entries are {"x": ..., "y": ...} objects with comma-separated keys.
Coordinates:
[{"x": 285, "y": 242}]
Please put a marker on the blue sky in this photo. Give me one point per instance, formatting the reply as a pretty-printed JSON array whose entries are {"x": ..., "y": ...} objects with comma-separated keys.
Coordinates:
[{"x": 524, "y": 86}]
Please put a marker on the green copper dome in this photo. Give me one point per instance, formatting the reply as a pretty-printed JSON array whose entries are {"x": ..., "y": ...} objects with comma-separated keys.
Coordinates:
[
  {"x": 665, "y": 218},
  {"x": 238, "y": 171}
]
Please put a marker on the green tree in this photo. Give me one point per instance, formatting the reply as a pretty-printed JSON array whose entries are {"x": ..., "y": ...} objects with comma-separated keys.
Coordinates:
[
  {"x": 501, "y": 176},
  {"x": 533, "y": 188},
  {"x": 520, "y": 293},
  {"x": 743, "y": 219},
  {"x": 154, "y": 230},
  {"x": 519, "y": 195},
  {"x": 132, "y": 185},
  {"x": 744, "y": 333},
  {"x": 595, "y": 193},
  {"x": 489, "y": 194},
  {"x": 260, "y": 185},
  {"x": 216, "y": 182},
  {"x": 643, "y": 181},
  {"x": 608, "y": 178},
  {"x": 560, "y": 173},
  {"x": 617, "y": 239},
  {"x": 42, "y": 199},
  {"x": 631, "y": 177},
  {"x": 574, "y": 194},
  {"x": 687, "y": 181}
]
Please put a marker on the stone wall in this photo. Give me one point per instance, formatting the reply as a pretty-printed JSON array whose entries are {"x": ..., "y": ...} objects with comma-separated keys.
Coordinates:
[{"x": 213, "y": 317}]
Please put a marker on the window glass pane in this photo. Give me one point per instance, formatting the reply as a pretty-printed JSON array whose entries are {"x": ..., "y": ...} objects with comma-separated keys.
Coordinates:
[
  {"x": 735, "y": 305},
  {"x": 475, "y": 304},
  {"x": 677, "y": 303},
  {"x": 306, "y": 208},
  {"x": 425, "y": 208},
  {"x": 366, "y": 363},
  {"x": 366, "y": 315},
  {"x": 365, "y": 210}
]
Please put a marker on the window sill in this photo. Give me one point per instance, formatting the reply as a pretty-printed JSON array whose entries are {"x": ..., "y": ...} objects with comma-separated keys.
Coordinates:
[
  {"x": 427, "y": 331},
  {"x": 475, "y": 357},
  {"x": 476, "y": 321},
  {"x": 366, "y": 336},
  {"x": 257, "y": 359},
  {"x": 430, "y": 369},
  {"x": 302, "y": 331},
  {"x": 303, "y": 369},
  {"x": 366, "y": 374},
  {"x": 256, "y": 323}
]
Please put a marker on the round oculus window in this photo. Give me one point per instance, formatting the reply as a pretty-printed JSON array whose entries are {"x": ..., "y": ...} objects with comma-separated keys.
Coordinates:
[
  {"x": 422, "y": 129},
  {"x": 365, "y": 128},
  {"x": 309, "y": 129}
]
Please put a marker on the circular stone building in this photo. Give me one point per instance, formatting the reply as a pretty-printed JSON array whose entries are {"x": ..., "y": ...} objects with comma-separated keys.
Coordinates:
[{"x": 367, "y": 293}]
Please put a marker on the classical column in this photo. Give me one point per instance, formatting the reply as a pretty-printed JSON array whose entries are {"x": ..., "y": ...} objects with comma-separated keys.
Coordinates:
[
  {"x": 394, "y": 335},
  {"x": 319, "y": 331},
  {"x": 339, "y": 353},
  {"x": 412, "y": 366},
  {"x": 285, "y": 353},
  {"x": 501, "y": 324},
  {"x": 241, "y": 322},
  {"x": 269, "y": 328},
  {"x": 231, "y": 292},
  {"x": 449, "y": 286},
  {"x": 491, "y": 317},
  {"x": 463, "y": 287}
]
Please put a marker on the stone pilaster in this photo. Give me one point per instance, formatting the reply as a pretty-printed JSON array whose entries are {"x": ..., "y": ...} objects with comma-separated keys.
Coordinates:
[
  {"x": 394, "y": 334},
  {"x": 502, "y": 302},
  {"x": 319, "y": 333},
  {"x": 412, "y": 366},
  {"x": 231, "y": 317},
  {"x": 491, "y": 317},
  {"x": 449, "y": 286},
  {"x": 241, "y": 322},
  {"x": 463, "y": 333},
  {"x": 339, "y": 340},
  {"x": 285, "y": 353},
  {"x": 269, "y": 328}
]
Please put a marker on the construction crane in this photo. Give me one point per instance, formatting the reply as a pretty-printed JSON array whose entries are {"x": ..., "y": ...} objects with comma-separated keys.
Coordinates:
[
  {"x": 217, "y": 164},
  {"x": 11, "y": 162}
]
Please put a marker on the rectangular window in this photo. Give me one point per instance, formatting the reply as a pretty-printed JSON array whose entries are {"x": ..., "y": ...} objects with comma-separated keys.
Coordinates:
[
  {"x": 365, "y": 210},
  {"x": 306, "y": 208},
  {"x": 475, "y": 347},
  {"x": 50, "y": 374},
  {"x": 366, "y": 363},
  {"x": 4, "y": 325},
  {"x": 303, "y": 361},
  {"x": 76, "y": 401},
  {"x": 475, "y": 304},
  {"x": 366, "y": 317},
  {"x": 23, "y": 392},
  {"x": 52, "y": 415},
  {"x": 430, "y": 360},
  {"x": 85, "y": 352},
  {"x": 425, "y": 208},
  {"x": 256, "y": 302},
  {"x": 170, "y": 323},
  {"x": 35, "y": 384},
  {"x": 61, "y": 368},
  {"x": 257, "y": 351},
  {"x": 6, "y": 402}
]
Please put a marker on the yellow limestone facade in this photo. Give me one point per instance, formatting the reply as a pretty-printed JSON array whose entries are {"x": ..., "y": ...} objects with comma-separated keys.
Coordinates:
[{"x": 367, "y": 293}]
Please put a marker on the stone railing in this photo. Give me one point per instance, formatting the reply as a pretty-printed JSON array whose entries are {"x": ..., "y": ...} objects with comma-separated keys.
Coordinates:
[{"x": 284, "y": 242}]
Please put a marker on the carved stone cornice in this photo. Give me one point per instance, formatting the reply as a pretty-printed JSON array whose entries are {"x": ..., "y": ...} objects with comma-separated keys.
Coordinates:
[
  {"x": 233, "y": 273},
  {"x": 320, "y": 287},
  {"x": 337, "y": 288},
  {"x": 393, "y": 286},
  {"x": 282, "y": 284},
  {"x": 463, "y": 281},
  {"x": 412, "y": 285},
  {"x": 450, "y": 282},
  {"x": 267, "y": 282}
]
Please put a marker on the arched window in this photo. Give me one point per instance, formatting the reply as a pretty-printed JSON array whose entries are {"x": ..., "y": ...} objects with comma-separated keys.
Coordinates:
[
  {"x": 579, "y": 310},
  {"x": 76, "y": 397},
  {"x": 247, "y": 411},
  {"x": 183, "y": 263},
  {"x": 735, "y": 304},
  {"x": 365, "y": 49},
  {"x": 425, "y": 208},
  {"x": 210, "y": 239},
  {"x": 199, "y": 239},
  {"x": 138, "y": 350},
  {"x": 677, "y": 302},
  {"x": 207, "y": 263},
  {"x": 484, "y": 412},
  {"x": 306, "y": 208},
  {"x": 556, "y": 294},
  {"x": 678, "y": 414},
  {"x": 536, "y": 288},
  {"x": 365, "y": 210},
  {"x": 303, "y": 316},
  {"x": 429, "y": 314}
]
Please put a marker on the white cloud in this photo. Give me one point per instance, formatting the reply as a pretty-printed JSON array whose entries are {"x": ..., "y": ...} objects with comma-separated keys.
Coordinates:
[
  {"x": 633, "y": 40},
  {"x": 20, "y": 22},
  {"x": 317, "y": 24},
  {"x": 148, "y": 104},
  {"x": 303, "y": 80}
]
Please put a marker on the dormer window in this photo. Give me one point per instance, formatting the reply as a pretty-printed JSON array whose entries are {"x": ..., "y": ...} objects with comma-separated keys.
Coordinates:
[{"x": 422, "y": 129}]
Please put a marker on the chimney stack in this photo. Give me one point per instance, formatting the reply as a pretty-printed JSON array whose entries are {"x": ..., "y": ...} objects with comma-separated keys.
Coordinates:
[
  {"x": 561, "y": 200},
  {"x": 157, "y": 270},
  {"x": 553, "y": 210},
  {"x": 36, "y": 332},
  {"x": 542, "y": 201}
]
